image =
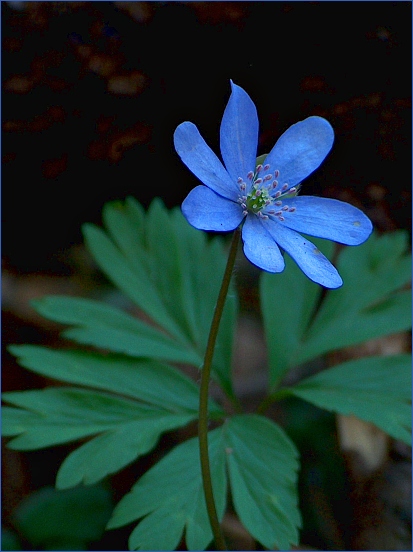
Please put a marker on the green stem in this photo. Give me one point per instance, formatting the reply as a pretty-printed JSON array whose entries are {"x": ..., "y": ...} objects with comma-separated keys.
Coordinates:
[{"x": 203, "y": 396}]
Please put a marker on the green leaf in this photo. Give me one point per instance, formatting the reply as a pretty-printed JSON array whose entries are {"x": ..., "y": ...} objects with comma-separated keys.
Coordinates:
[
  {"x": 65, "y": 414},
  {"x": 204, "y": 261},
  {"x": 126, "y": 429},
  {"x": 107, "y": 327},
  {"x": 172, "y": 272},
  {"x": 9, "y": 540},
  {"x": 135, "y": 284},
  {"x": 370, "y": 304},
  {"x": 374, "y": 389},
  {"x": 288, "y": 301},
  {"x": 171, "y": 497},
  {"x": 148, "y": 381},
  {"x": 111, "y": 451},
  {"x": 262, "y": 463},
  {"x": 61, "y": 415},
  {"x": 63, "y": 520},
  {"x": 14, "y": 420}
]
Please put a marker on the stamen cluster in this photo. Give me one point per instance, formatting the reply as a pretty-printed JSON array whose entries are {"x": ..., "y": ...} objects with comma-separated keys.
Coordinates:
[{"x": 265, "y": 196}]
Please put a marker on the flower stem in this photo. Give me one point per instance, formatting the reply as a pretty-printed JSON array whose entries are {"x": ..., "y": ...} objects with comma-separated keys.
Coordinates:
[{"x": 203, "y": 396}]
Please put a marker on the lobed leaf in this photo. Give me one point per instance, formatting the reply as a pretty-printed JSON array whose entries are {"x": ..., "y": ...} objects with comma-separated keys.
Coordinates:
[
  {"x": 262, "y": 465},
  {"x": 370, "y": 304},
  {"x": 125, "y": 429},
  {"x": 101, "y": 325},
  {"x": 145, "y": 380},
  {"x": 332, "y": 331},
  {"x": 170, "y": 496},
  {"x": 135, "y": 284},
  {"x": 172, "y": 273},
  {"x": 288, "y": 302},
  {"x": 63, "y": 414},
  {"x": 111, "y": 451},
  {"x": 374, "y": 389}
]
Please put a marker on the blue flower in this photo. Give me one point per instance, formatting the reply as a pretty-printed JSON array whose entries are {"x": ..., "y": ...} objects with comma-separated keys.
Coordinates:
[{"x": 264, "y": 196}]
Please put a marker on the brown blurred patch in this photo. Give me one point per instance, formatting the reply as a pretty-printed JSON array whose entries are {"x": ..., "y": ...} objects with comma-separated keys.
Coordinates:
[
  {"x": 19, "y": 84},
  {"x": 127, "y": 84},
  {"x": 12, "y": 44},
  {"x": 141, "y": 12},
  {"x": 219, "y": 12},
  {"x": 313, "y": 83},
  {"x": 52, "y": 168},
  {"x": 115, "y": 142}
]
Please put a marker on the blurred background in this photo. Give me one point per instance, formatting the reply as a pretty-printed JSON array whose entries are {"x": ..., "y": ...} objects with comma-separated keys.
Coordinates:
[{"x": 92, "y": 93}]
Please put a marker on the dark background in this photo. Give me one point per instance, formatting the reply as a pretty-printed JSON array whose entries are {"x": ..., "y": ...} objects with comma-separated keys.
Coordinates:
[{"x": 92, "y": 93}]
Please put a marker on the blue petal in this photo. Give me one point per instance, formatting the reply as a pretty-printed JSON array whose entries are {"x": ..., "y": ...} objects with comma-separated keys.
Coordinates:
[
  {"x": 328, "y": 218},
  {"x": 310, "y": 259},
  {"x": 206, "y": 210},
  {"x": 301, "y": 149},
  {"x": 202, "y": 161},
  {"x": 239, "y": 134},
  {"x": 259, "y": 247}
]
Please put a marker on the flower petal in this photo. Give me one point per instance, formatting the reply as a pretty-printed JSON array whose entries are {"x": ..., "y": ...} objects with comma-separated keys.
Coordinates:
[
  {"x": 239, "y": 134},
  {"x": 310, "y": 259},
  {"x": 206, "y": 210},
  {"x": 328, "y": 218},
  {"x": 259, "y": 247},
  {"x": 301, "y": 149},
  {"x": 202, "y": 161}
]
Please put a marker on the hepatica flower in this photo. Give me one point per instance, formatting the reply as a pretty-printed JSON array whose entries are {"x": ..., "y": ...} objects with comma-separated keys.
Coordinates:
[{"x": 264, "y": 197}]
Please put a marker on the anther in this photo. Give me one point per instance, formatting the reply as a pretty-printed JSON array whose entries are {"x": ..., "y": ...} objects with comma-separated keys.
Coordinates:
[
  {"x": 239, "y": 180},
  {"x": 292, "y": 209},
  {"x": 258, "y": 169},
  {"x": 275, "y": 184},
  {"x": 258, "y": 181},
  {"x": 267, "y": 177},
  {"x": 282, "y": 219},
  {"x": 276, "y": 174},
  {"x": 278, "y": 203},
  {"x": 277, "y": 194},
  {"x": 285, "y": 208},
  {"x": 250, "y": 175},
  {"x": 285, "y": 187},
  {"x": 266, "y": 167}
]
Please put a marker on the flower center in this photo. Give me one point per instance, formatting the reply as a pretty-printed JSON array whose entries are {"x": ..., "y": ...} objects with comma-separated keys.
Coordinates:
[
  {"x": 257, "y": 199},
  {"x": 266, "y": 195}
]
